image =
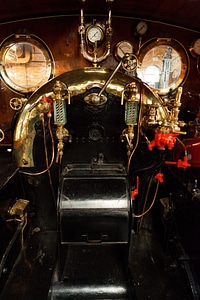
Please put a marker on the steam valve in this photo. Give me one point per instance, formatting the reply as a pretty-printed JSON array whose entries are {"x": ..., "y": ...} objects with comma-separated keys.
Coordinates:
[
  {"x": 45, "y": 106},
  {"x": 163, "y": 140},
  {"x": 180, "y": 163},
  {"x": 159, "y": 176}
]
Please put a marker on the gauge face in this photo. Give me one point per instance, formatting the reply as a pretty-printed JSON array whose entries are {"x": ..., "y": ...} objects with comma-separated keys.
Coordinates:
[
  {"x": 95, "y": 34},
  {"x": 26, "y": 63},
  {"x": 141, "y": 28},
  {"x": 195, "y": 47},
  {"x": 123, "y": 48}
]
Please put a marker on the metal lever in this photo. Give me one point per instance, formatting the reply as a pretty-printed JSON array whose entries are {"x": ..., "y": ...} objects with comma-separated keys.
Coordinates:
[{"x": 128, "y": 62}]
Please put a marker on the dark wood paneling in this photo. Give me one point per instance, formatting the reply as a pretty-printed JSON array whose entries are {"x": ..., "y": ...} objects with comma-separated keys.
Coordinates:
[{"x": 180, "y": 12}]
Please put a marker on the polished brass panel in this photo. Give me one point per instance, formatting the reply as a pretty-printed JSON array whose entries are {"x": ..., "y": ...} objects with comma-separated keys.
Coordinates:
[{"x": 78, "y": 82}]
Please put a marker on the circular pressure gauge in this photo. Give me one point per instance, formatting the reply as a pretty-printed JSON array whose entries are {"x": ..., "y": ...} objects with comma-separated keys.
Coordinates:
[
  {"x": 122, "y": 48},
  {"x": 195, "y": 48},
  {"x": 95, "y": 34},
  {"x": 2, "y": 136},
  {"x": 141, "y": 28},
  {"x": 26, "y": 62}
]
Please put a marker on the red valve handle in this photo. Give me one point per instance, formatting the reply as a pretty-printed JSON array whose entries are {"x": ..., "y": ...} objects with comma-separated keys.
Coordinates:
[{"x": 180, "y": 163}]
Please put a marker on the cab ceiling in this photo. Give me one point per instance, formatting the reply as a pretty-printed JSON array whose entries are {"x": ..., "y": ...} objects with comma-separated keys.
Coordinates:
[{"x": 184, "y": 13}]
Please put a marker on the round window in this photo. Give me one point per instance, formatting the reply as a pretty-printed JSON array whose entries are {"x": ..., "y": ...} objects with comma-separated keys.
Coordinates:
[
  {"x": 27, "y": 63},
  {"x": 163, "y": 64}
]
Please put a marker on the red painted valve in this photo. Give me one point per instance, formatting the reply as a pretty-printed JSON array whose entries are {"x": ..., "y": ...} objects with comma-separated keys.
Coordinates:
[
  {"x": 163, "y": 140},
  {"x": 180, "y": 163}
]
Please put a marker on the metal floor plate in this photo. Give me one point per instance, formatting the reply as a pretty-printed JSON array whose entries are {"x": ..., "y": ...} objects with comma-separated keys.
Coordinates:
[{"x": 94, "y": 272}]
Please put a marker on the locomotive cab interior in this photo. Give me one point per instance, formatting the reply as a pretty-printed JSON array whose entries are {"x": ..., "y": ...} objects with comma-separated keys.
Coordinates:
[{"x": 100, "y": 159}]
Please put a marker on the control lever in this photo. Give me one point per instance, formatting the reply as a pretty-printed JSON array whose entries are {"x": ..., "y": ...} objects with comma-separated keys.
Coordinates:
[
  {"x": 128, "y": 62},
  {"x": 109, "y": 79},
  {"x": 99, "y": 98}
]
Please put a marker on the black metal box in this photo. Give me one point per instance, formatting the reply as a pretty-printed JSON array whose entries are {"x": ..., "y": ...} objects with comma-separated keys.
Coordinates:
[{"x": 94, "y": 208}]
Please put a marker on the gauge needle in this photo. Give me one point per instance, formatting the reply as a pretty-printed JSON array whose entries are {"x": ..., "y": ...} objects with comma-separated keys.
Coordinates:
[
  {"x": 94, "y": 35},
  {"x": 122, "y": 50},
  {"x": 141, "y": 27}
]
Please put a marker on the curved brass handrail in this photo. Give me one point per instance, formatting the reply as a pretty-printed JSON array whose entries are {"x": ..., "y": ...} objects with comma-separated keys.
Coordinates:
[{"x": 78, "y": 82}]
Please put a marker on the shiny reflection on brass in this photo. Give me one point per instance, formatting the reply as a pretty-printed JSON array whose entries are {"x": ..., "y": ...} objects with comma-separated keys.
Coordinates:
[
  {"x": 94, "y": 36},
  {"x": 129, "y": 62},
  {"x": 163, "y": 64},
  {"x": 131, "y": 114},
  {"x": 95, "y": 100},
  {"x": 18, "y": 208},
  {"x": 77, "y": 82},
  {"x": 16, "y": 103}
]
